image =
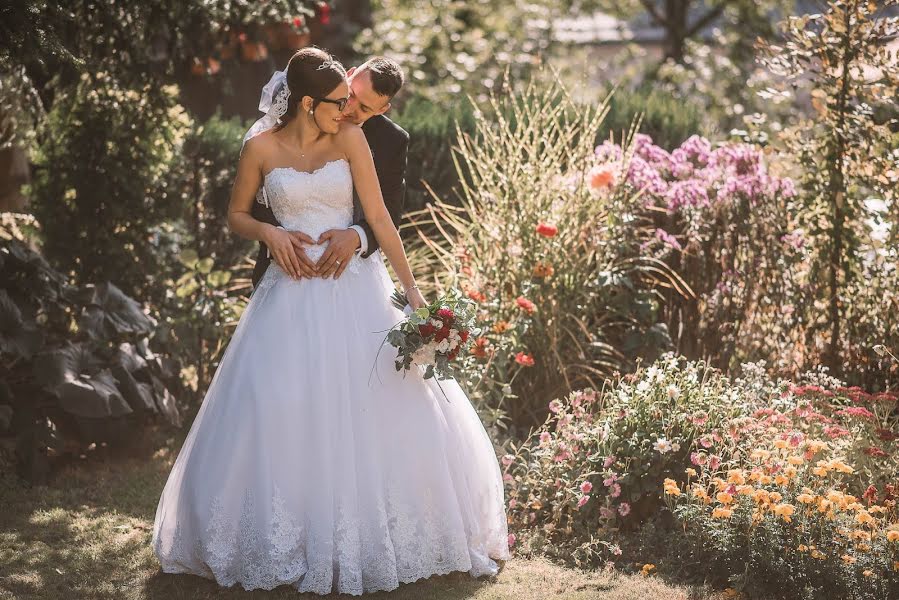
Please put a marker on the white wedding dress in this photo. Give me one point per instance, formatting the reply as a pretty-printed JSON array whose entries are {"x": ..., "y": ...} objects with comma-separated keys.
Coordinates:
[{"x": 304, "y": 466}]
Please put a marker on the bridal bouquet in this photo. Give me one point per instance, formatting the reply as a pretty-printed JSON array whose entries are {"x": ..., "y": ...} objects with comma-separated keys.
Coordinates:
[{"x": 434, "y": 336}]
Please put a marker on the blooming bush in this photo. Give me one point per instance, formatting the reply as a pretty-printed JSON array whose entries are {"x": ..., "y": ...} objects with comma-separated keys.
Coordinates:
[
  {"x": 806, "y": 497},
  {"x": 720, "y": 218},
  {"x": 533, "y": 240},
  {"x": 599, "y": 461},
  {"x": 606, "y": 460}
]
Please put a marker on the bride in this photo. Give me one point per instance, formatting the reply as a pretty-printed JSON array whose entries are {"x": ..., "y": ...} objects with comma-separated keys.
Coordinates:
[{"x": 301, "y": 468}]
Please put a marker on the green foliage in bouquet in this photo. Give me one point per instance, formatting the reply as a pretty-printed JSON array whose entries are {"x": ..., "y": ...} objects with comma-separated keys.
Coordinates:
[{"x": 416, "y": 338}]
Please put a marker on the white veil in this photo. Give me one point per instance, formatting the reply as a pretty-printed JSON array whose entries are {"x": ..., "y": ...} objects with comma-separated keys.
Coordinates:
[{"x": 272, "y": 102}]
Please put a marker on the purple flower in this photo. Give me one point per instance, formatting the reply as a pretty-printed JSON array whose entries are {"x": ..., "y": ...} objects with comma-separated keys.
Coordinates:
[
  {"x": 668, "y": 239},
  {"x": 691, "y": 192}
]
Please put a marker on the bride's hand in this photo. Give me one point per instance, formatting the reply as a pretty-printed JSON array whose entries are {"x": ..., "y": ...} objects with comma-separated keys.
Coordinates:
[
  {"x": 415, "y": 299},
  {"x": 281, "y": 245}
]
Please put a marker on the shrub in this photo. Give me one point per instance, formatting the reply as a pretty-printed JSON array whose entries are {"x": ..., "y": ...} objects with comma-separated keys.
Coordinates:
[
  {"x": 619, "y": 457},
  {"x": 536, "y": 239},
  {"x": 77, "y": 367},
  {"x": 722, "y": 221}
]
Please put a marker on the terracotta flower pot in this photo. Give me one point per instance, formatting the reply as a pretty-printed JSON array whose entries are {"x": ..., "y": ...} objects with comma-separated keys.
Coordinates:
[
  {"x": 295, "y": 40},
  {"x": 253, "y": 51}
]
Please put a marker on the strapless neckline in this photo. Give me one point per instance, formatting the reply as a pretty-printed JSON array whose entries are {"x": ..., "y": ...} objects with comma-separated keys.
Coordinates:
[{"x": 313, "y": 172}]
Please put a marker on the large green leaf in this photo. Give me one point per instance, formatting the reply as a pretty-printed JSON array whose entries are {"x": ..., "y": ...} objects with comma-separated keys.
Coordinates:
[
  {"x": 93, "y": 397},
  {"x": 110, "y": 313},
  {"x": 138, "y": 395},
  {"x": 165, "y": 402},
  {"x": 62, "y": 365},
  {"x": 18, "y": 337}
]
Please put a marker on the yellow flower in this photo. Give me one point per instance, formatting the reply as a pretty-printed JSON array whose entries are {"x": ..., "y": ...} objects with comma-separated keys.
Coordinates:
[
  {"x": 722, "y": 513},
  {"x": 848, "y": 559},
  {"x": 863, "y": 547},
  {"x": 817, "y": 554},
  {"x": 765, "y": 479},
  {"x": 842, "y": 467},
  {"x": 820, "y": 471},
  {"x": 775, "y": 496},
  {"x": 691, "y": 472},
  {"x": 785, "y": 511},
  {"x": 868, "y": 573},
  {"x": 802, "y": 548},
  {"x": 893, "y": 536},
  {"x": 815, "y": 446},
  {"x": 760, "y": 455},
  {"x": 735, "y": 476},
  {"x": 805, "y": 498},
  {"x": 671, "y": 488},
  {"x": 781, "y": 480},
  {"x": 896, "y": 565},
  {"x": 745, "y": 490},
  {"x": 647, "y": 568},
  {"x": 791, "y": 471},
  {"x": 864, "y": 518},
  {"x": 781, "y": 444},
  {"x": 795, "y": 460},
  {"x": 724, "y": 498}
]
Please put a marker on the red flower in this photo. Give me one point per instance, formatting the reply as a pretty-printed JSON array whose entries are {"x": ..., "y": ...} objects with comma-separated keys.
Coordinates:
[
  {"x": 476, "y": 295},
  {"x": 856, "y": 411},
  {"x": 874, "y": 451},
  {"x": 441, "y": 334},
  {"x": 298, "y": 22},
  {"x": 480, "y": 347},
  {"x": 525, "y": 360},
  {"x": 886, "y": 435},
  {"x": 453, "y": 353},
  {"x": 447, "y": 315},
  {"x": 547, "y": 230},
  {"x": 324, "y": 13},
  {"x": 870, "y": 494},
  {"x": 463, "y": 335},
  {"x": 426, "y": 330},
  {"x": 528, "y": 306}
]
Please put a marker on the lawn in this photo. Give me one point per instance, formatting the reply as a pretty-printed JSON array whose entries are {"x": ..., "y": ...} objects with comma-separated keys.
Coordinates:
[{"x": 87, "y": 535}]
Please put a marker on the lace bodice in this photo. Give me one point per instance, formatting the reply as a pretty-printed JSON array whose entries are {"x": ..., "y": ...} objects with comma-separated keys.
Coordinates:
[{"x": 311, "y": 202}]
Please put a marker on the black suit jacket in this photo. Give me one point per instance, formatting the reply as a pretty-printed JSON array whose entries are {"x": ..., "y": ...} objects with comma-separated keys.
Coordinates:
[{"x": 389, "y": 144}]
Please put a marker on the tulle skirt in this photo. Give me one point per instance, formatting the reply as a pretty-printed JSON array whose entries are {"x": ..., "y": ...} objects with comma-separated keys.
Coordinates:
[{"x": 313, "y": 464}]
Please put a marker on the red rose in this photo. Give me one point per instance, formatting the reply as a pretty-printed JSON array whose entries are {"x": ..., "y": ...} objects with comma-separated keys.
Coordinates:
[
  {"x": 547, "y": 230},
  {"x": 463, "y": 335},
  {"x": 441, "y": 334},
  {"x": 426, "y": 330},
  {"x": 447, "y": 315},
  {"x": 525, "y": 360}
]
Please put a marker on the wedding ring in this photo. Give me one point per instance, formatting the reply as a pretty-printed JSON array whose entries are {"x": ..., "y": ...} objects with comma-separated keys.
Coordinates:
[{"x": 337, "y": 261}]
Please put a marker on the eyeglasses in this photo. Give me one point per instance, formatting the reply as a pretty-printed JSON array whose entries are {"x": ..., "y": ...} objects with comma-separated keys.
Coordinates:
[{"x": 341, "y": 103}]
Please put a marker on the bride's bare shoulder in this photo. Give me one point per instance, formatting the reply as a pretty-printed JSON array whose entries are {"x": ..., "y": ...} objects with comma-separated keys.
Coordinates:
[{"x": 349, "y": 133}]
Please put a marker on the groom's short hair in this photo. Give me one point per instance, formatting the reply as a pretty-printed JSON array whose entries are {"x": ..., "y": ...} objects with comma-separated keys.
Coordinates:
[{"x": 386, "y": 75}]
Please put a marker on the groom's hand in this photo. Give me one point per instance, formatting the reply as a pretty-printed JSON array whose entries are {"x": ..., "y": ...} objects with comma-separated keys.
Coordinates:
[
  {"x": 342, "y": 243},
  {"x": 305, "y": 265}
]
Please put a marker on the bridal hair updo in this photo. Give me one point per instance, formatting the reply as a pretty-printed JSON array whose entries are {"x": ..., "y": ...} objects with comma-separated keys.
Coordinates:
[{"x": 310, "y": 72}]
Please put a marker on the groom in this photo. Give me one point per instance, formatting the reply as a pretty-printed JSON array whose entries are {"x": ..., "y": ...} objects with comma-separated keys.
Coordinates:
[{"x": 372, "y": 86}]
